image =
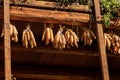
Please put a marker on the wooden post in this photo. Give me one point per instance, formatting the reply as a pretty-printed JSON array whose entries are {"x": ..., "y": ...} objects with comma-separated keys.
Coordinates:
[
  {"x": 7, "y": 47},
  {"x": 102, "y": 50}
]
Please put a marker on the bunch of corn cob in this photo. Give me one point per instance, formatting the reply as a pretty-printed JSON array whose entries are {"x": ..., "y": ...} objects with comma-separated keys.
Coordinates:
[
  {"x": 71, "y": 38},
  {"x": 112, "y": 43},
  {"x": 107, "y": 40},
  {"x": 28, "y": 37},
  {"x": 48, "y": 35},
  {"x": 13, "y": 33},
  {"x": 87, "y": 37},
  {"x": 60, "y": 41}
]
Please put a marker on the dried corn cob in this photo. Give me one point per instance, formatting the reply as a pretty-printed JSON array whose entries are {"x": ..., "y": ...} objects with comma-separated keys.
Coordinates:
[
  {"x": 71, "y": 38},
  {"x": 28, "y": 38},
  {"x": 13, "y": 33},
  {"x": 87, "y": 37},
  {"x": 48, "y": 35}
]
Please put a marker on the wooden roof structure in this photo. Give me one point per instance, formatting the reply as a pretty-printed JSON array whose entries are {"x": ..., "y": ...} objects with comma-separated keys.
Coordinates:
[{"x": 44, "y": 62}]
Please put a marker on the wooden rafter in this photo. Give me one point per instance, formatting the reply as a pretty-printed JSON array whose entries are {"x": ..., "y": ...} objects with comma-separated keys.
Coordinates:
[
  {"x": 47, "y": 16},
  {"x": 102, "y": 50},
  {"x": 7, "y": 47}
]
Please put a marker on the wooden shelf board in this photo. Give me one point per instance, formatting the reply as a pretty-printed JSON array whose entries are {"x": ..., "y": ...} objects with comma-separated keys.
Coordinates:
[
  {"x": 49, "y": 56},
  {"x": 46, "y": 55},
  {"x": 54, "y": 5},
  {"x": 46, "y": 16}
]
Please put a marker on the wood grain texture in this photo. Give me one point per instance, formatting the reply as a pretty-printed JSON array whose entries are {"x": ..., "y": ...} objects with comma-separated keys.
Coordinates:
[
  {"x": 53, "y": 73},
  {"x": 101, "y": 44},
  {"x": 7, "y": 45},
  {"x": 44, "y": 55},
  {"x": 54, "y": 6},
  {"x": 46, "y": 16}
]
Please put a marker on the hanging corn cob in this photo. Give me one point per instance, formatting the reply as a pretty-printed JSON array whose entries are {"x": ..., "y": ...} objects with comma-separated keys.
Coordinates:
[
  {"x": 112, "y": 43},
  {"x": 28, "y": 37},
  {"x": 60, "y": 41},
  {"x": 71, "y": 38},
  {"x": 48, "y": 35},
  {"x": 88, "y": 36},
  {"x": 108, "y": 39},
  {"x": 13, "y": 33}
]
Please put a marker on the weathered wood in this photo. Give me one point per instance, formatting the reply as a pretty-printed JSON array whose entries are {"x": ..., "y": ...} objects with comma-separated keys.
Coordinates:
[
  {"x": 54, "y": 5},
  {"x": 45, "y": 49},
  {"x": 43, "y": 76},
  {"x": 102, "y": 50},
  {"x": 85, "y": 75},
  {"x": 55, "y": 77},
  {"x": 7, "y": 47},
  {"x": 23, "y": 73},
  {"x": 47, "y": 16},
  {"x": 45, "y": 56},
  {"x": 49, "y": 56},
  {"x": 54, "y": 73}
]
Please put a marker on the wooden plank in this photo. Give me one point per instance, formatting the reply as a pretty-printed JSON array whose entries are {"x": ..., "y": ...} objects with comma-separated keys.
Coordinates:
[
  {"x": 79, "y": 58},
  {"x": 55, "y": 74},
  {"x": 46, "y": 56},
  {"x": 7, "y": 47},
  {"x": 42, "y": 76},
  {"x": 82, "y": 61},
  {"x": 102, "y": 50},
  {"x": 51, "y": 50},
  {"x": 53, "y": 6},
  {"x": 47, "y": 16},
  {"x": 55, "y": 77},
  {"x": 76, "y": 75}
]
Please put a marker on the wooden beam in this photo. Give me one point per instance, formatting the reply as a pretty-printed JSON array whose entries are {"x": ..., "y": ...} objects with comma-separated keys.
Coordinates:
[
  {"x": 42, "y": 49},
  {"x": 50, "y": 56},
  {"x": 47, "y": 16},
  {"x": 49, "y": 73},
  {"x": 55, "y": 77},
  {"x": 42, "y": 76},
  {"x": 7, "y": 47},
  {"x": 102, "y": 49},
  {"x": 53, "y": 6},
  {"x": 81, "y": 58},
  {"x": 53, "y": 73},
  {"x": 84, "y": 75}
]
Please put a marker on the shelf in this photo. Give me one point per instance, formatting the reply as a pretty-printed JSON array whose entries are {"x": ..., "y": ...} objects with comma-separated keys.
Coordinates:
[
  {"x": 83, "y": 57},
  {"x": 46, "y": 55}
]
